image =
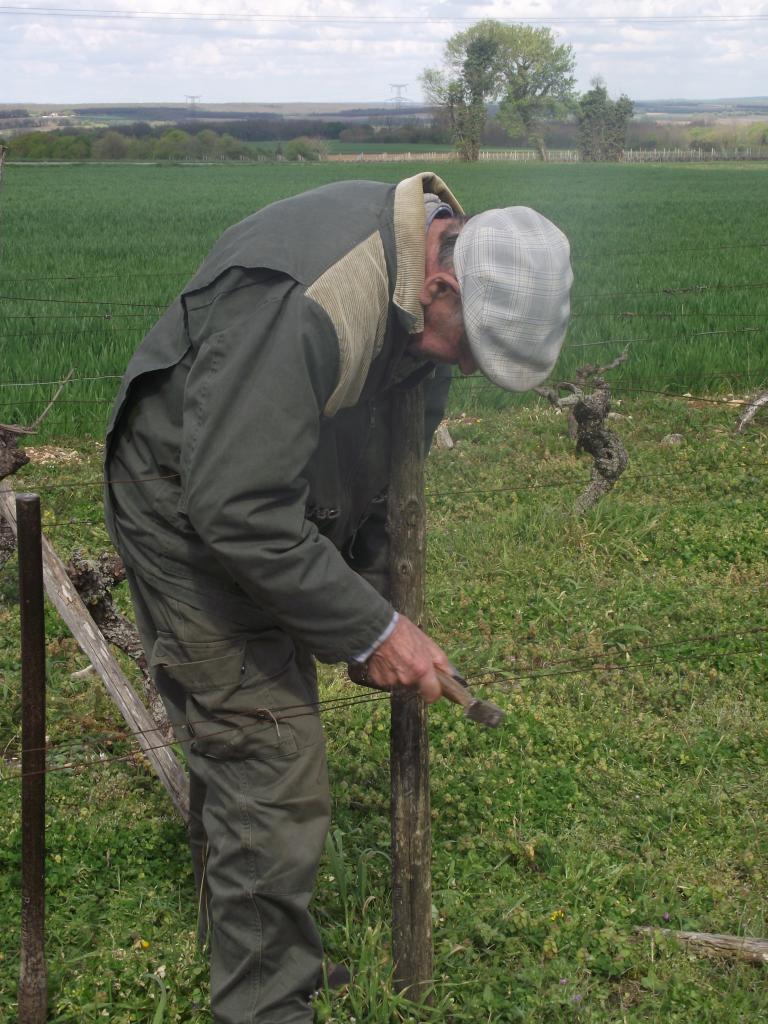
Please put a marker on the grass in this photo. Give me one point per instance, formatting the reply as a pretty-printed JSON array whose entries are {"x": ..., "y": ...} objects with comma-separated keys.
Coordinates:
[
  {"x": 666, "y": 258},
  {"x": 625, "y": 788}
]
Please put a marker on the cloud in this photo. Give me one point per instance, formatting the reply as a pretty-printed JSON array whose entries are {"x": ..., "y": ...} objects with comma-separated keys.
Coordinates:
[{"x": 347, "y": 50}]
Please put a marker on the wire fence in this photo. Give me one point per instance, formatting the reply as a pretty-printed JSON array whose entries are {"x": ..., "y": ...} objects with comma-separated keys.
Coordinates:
[
  {"x": 688, "y": 290},
  {"x": 115, "y": 309},
  {"x": 611, "y": 659},
  {"x": 615, "y": 660},
  {"x": 576, "y": 255}
]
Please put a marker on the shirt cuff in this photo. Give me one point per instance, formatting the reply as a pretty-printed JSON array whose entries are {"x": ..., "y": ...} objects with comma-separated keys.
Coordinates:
[{"x": 365, "y": 655}]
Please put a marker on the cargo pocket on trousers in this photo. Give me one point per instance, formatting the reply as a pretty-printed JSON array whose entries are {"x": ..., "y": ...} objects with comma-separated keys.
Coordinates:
[{"x": 233, "y": 692}]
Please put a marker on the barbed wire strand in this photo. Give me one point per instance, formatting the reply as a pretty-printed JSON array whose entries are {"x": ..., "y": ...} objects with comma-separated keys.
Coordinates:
[
  {"x": 691, "y": 289},
  {"x": 696, "y": 290},
  {"x": 474, "y": 383},
  {"x": 102, "y": 761},
  {"x": 162, "y": 746},
  {"x": 48, "y": 383},
  {"x": 568, "y": 347},
  {"x": 86, "y": 302},
  {"x": 649, "y": 314},
  {"x": 73, "y": 316},
  {"x": 68, "y": 332},
  {"x": 43, "y": 488},
  {"x": 621, "y": 650},
  {"x": 624, "y": 314},
  {"x": 264, "y": 715},
  {"x": 480, "y": 384},
  {"x": 480, "y": 677},
  {"x": 575, "y": 255}
]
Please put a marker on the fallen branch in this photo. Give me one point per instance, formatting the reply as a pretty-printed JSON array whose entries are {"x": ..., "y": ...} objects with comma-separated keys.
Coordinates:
[
  {"x": 737, "y": 947},
  {"x": 751, "y": 411},
  {"x": 52, "y": 402}
]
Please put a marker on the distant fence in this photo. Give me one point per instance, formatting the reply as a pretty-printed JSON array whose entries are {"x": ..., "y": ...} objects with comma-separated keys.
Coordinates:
[
  {"x": 553, "y": 156},
  {"x": 561, "y": 156},
  {"x": 645, "y": 156}
]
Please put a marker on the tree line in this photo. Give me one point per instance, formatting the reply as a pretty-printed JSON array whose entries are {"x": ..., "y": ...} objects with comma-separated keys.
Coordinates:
[
  {"x": 500, "y": 84},
  {"x": 284, "y": 138}
]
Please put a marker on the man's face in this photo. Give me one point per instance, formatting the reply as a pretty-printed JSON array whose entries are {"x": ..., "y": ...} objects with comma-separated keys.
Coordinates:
[{"x": 443, "y": 339}]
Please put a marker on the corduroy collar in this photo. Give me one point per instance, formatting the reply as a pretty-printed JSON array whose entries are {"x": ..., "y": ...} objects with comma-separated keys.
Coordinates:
[{"x": 410, "y": 243}]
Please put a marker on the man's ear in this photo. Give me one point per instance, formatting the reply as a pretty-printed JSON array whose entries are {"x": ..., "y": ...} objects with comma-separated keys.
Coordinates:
[{"x": 437, "y": 286}]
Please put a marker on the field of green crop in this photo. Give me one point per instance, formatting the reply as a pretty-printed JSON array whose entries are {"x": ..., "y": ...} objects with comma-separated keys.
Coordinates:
[
  {"x": 667, "y": 258},
  {"x": 626, "y": 787}
]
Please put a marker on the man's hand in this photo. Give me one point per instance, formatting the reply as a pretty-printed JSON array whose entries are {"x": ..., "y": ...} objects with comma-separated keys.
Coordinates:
[{"x": 409, "y": 657}]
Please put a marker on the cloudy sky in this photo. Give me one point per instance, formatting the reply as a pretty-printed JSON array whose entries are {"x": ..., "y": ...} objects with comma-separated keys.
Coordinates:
[{"x": 338, "y": 50}]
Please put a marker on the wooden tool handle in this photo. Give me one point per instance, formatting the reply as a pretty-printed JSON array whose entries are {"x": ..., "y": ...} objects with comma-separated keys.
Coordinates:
[{"x": 452, "y": 690}]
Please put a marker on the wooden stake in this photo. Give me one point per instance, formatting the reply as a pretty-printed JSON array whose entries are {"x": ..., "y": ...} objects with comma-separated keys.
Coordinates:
[
  {"x": 63, "y": 595},
  {"x": 409, "y": 744},
  {"x": 33, "y": 976}
]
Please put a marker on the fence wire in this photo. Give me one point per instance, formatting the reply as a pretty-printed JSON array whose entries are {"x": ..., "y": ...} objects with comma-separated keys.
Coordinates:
[
  {"x": 587, "y": 664},
  {"x": 699, "y": 289},
  {"x": 576, "y": 256}
]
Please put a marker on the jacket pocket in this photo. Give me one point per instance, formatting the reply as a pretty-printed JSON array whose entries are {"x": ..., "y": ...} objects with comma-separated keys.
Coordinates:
[{"x": 235, "y": 691}]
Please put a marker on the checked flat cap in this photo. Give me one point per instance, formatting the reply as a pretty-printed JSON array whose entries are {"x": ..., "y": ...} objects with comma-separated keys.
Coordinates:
[{"x": 514, "y": 272}]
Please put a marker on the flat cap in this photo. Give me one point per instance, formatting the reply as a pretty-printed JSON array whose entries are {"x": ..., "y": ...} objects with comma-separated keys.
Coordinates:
[{"x": 514, "y": 272}]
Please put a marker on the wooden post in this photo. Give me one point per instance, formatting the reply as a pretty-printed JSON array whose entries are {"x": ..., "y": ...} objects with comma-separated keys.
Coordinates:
[
  {"x": 33, "y": 977},
  {"x": 409, "y": 744},
  {"x": 62, "y": 594}
]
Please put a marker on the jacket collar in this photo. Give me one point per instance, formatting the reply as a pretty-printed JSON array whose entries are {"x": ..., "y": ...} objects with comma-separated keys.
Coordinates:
[{"x": 410, "y": 243}]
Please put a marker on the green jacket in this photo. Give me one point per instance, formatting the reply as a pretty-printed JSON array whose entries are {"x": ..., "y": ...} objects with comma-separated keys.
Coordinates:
[{"x": 256, "y": 414}]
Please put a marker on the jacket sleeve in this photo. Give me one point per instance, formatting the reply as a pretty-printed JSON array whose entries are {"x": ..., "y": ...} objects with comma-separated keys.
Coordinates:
[{"x": 266, "y": 362}]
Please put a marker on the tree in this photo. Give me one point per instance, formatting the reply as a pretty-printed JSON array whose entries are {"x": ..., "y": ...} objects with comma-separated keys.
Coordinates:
[
  {"x": 207, "y": 143},
  {"x": 111, "y": 146},
  {"x": 539, "y": 81},
  {"x": 523, "y": 67},
  {"x": 603, "y": 123},
  {"x": 174, "y": 144},
  {"x": 471, "y": 80},
  {"x": 305, "y": 148}
]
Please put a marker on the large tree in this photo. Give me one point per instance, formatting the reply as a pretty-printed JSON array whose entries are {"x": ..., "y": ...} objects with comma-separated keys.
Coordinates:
[
  {"x": 539, "y": 81},
  {"x": 603, "y": 123},
  {"x": 471, "y": 79},
  {"x": 522, "y": 67}
]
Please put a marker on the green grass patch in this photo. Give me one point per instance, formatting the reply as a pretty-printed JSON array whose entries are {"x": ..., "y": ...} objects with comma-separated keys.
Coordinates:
[{"x": 626, "y": 786}]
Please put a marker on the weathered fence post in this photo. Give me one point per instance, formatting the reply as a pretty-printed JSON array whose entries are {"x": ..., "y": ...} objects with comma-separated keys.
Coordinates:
[
  {"x": 409, "y": 744},
  {"x": 33, "y": 979}
]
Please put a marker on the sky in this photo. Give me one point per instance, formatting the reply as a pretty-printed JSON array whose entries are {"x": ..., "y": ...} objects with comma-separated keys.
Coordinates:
[{"x": 281, "y": 51}]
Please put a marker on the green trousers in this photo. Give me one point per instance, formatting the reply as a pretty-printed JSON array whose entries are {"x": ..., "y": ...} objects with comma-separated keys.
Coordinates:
[{"x": 240, "y": 696}]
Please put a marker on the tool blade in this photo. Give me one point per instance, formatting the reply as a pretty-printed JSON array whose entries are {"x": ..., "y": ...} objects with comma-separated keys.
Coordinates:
[{"x": 484, "y": 713}]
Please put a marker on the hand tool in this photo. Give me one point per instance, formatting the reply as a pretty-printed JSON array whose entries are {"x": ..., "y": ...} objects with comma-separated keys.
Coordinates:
[{"x": 455, "y": 688}]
